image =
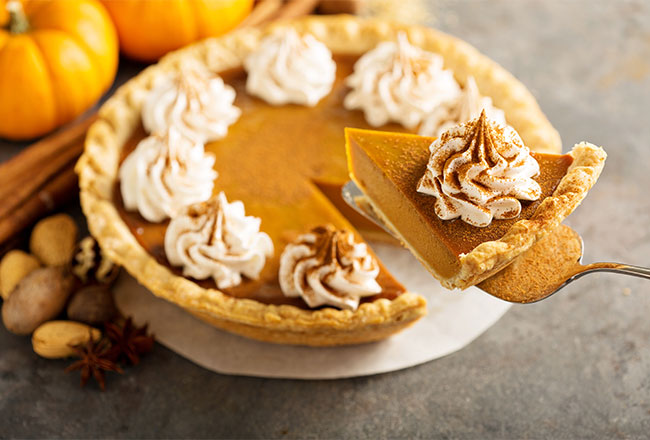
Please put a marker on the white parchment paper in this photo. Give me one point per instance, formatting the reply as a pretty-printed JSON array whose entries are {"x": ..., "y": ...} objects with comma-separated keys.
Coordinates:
[{"x": 454, "y": 320}]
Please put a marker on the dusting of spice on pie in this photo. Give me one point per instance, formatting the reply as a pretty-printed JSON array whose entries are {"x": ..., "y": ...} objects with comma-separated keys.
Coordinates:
[
  {"x": 216, "y": 239},
  {"x": 287, "y": 68},
  {"x": 194, "y": 101},
  {"x": 327, "y": 266},
  {"x": 478, "y": 171},
  {"x": 164, "y": 174},
  {"x": 399, "y": 82}
]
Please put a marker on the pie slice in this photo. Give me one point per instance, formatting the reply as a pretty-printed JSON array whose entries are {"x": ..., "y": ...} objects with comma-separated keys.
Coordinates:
[{"x": 388, "y": 166}]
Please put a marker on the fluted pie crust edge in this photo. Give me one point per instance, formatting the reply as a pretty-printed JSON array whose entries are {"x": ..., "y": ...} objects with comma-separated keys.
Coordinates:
[
  {"x": 490, "y": 257},
  {"x": 120, "y": 115}
]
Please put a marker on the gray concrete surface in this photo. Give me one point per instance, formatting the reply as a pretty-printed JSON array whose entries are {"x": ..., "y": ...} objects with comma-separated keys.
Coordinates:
[{"x": 574, "y": 366}]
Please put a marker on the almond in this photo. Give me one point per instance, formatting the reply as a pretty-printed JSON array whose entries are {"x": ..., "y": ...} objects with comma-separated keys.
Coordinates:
[{"x": 55, "y": 339}]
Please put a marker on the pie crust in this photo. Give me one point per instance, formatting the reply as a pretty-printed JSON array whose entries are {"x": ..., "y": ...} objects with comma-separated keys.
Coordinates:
[
  {"x": 490, "y": 257},
  {"x": 120, "y": 115}
]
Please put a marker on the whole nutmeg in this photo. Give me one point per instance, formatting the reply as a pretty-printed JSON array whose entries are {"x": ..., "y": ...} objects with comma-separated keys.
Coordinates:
[
  {"x": 92, "y": 265},
  {"x": 55, "y": 339},
  {"x": 39, "y": 297},
  {"x": 15, "y": 266},
  {"x": 92, "y": 304},
  {"x": 54, "y": 239}
]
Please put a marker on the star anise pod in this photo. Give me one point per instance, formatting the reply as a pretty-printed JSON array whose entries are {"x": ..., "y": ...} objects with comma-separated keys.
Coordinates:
[
  {"x": 129, "y": 341},
  {"x": 93, "y": 362}
]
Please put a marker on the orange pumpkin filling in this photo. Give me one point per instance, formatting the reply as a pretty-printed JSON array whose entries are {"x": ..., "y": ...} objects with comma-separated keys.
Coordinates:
[{"x": 287, "y": 164}]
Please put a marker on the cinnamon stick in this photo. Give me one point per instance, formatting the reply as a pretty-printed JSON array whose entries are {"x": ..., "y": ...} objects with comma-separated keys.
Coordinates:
[
  {"x": 39, "y": 179},
  {"x": 267, "y": 10},
  {"x": 263, "y": 12},
  {"x": 341, "y": 6},
  {"x": 60, "y": 189},
  {"x": 30, "y": 169},
  {"x": 296, "y": 8}
]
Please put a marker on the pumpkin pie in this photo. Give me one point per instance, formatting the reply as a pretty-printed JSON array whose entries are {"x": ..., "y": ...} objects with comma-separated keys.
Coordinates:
[
  {"x": 441, "y": 219},
  {"x": 279, "y": 164}
]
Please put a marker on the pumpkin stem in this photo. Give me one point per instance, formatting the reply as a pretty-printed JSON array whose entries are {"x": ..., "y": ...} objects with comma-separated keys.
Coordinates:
[{"x": 17, "y": 19}]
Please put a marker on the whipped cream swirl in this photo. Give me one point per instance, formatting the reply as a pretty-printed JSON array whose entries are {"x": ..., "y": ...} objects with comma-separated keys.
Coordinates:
[
  {"x": 289, "y": 68},
  {"x": 195, "y": 102},
  {"x": 467, "y": 105},
  {"x": 327, "y": 267},
  {"x": 399, "y": 82},
  {"x": 217, "y": 239},
  {"x": 478, "y": 171},
  {"x": 165, "y": 173}
]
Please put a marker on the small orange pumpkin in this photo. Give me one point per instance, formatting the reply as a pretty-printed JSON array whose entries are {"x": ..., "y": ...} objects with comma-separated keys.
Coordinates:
[
  {"x": 149, "y": 29},
  {"x": 56, "y": 59}
]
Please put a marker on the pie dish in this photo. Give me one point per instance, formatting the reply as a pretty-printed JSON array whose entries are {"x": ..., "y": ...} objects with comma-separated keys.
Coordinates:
[
  {"x": 387, "y": 167},
  {"x": 286, "y": 163}
]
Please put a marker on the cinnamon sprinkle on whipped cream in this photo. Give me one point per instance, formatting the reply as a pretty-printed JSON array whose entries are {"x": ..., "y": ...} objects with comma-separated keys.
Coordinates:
[
  {"x": 165, "y": 173},
  {"x": 399, "y": 82},
  {"x": 288, "y": 68},
  {"x": 195, "y": 102},
  {"x": 478, "y": 171},
  {"x": 216, "y": 239},
  {"x": 328, "y": 267}
]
